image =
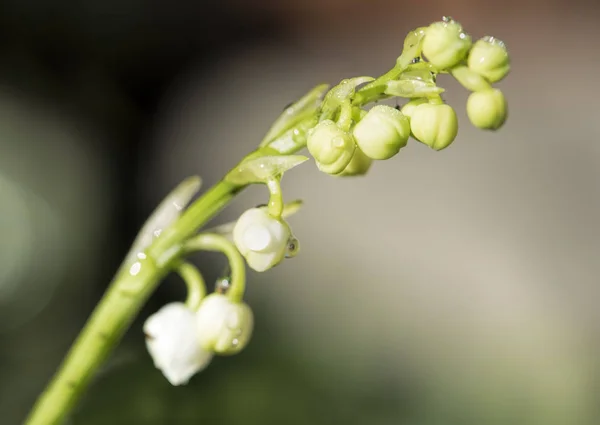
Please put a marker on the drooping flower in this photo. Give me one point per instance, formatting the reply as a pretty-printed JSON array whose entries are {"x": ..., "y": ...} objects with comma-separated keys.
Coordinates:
[
  {"x": 261, "y": 238},
  {"x": 172, "y": 341}
]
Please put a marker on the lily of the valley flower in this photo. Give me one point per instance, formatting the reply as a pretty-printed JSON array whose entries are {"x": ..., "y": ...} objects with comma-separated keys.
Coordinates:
[
  {"x": 261, "y": 238},
  {"x": 182, "y": 342},
  {"x": 172, "y": 341},
  {"x": 224, "y": 326}
]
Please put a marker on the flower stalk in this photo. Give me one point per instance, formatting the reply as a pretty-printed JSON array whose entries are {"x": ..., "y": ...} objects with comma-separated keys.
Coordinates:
[{"x": 330, "y": 123}]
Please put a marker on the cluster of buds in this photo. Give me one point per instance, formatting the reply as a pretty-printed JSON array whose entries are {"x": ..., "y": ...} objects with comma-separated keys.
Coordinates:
[
  {"x": 475, "y": 65},
  {"x": 345, "y": 144}
]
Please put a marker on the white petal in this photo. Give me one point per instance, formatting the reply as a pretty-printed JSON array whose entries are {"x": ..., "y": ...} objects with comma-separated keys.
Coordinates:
[
  {"x": 172, "y": 341},
  {"x": 261, "y": 239}
]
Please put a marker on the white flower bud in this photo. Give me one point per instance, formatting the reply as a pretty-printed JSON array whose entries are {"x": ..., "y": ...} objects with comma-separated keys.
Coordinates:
[
  {"x": 172, "y": 341},
  {"x": 261, "y": 239},
  {"x": 224, "y": 326},
  {"x": 446, "y": 44},
  {"x": 331, "y": 147},
  {"x": 382, "y": 132}
]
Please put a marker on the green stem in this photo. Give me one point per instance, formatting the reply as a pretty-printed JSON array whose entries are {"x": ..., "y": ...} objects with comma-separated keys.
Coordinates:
[
  {"x": 104, "y": 329},
  {"x": 196, "y": 287},
  {"x": 275, "y": 199},
  {"x": 214, "y": 242}
]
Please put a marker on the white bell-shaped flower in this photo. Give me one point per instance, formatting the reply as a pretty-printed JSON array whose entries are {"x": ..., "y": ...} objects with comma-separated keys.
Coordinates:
[
  {"x": 172, "y": 341},
  {"x": 224, "y": 326},
  {"x": 261, "y": 238}
]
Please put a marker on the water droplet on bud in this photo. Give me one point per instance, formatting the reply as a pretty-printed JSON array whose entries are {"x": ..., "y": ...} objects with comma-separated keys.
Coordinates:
[{"x": 338, "y": 142}]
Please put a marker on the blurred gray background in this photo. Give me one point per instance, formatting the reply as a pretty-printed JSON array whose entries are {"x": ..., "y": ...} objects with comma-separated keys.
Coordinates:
[{"x": 444, "y": 288}]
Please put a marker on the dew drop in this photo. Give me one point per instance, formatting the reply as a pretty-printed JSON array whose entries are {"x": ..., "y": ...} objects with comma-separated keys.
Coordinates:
[
  {"x": 235, "y": 342},
  {"x": 222, "y": 285},
  {"x": 292, "y": 248},
  {"x": 338, "y": 142},
  {"x": 135, "y": 268}
]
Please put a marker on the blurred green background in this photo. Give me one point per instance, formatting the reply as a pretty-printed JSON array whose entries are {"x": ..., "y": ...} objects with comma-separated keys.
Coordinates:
[{"x": 450, "y": 288}]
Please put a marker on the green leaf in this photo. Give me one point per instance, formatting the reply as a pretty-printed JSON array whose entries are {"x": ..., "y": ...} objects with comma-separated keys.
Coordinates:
[
  {"x": 412, "y": 47},
  {"x": 167, "y": 212},
  {"x": 412, "y": 88},
  {"x": 263, "y": 168},
  {"x": 296, "y": 112}
]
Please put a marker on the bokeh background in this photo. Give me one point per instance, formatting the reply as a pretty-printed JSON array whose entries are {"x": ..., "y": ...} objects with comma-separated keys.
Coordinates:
[{"x": 449, "y": 288}]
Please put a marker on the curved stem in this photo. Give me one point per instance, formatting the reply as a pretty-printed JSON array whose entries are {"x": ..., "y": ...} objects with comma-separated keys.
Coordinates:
[
  {"x": 196, "y": 287},
  {"x": 213, "y": 242}
]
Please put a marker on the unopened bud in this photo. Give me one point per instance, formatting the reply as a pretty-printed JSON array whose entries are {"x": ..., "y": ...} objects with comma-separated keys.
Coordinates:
[
  {"x": 487, "y": 109},
  {"x": 331, "y": 147},
  {"x": 489, "y": 58},
  {"x": 382, "y": 132},
  {"x": 434, "y": 125},
  {"x": 358, "y": 166},
  {"x": 446, "y": 44}
]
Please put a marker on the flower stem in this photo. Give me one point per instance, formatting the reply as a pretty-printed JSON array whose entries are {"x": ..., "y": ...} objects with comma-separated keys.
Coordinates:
[
  {"x": 196, "y": 287},
  {"x": 104, "y": 329},
  {"x": 275, "y": 198},
  {"x": 214, "y": 242}
]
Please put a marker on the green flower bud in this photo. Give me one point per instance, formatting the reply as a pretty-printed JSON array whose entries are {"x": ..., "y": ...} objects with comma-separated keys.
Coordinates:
[
  {"x": 489, "y": 58},
  {"x": 359, "y": 165},
  {"x": 446, "y": 44},
  {"x": 382, "y": 132},
  {"x": 408, "y": 109},
  {"x": 331, "y": 147},
  {"x": 224, "y": 326},
  {"x": 434, "y": 125},
  {"x": 487, "y": 109}
]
